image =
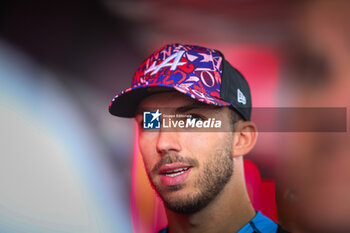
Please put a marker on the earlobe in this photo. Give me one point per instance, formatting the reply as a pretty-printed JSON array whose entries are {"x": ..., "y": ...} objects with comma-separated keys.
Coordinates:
[{"x": 245, "y": 137}]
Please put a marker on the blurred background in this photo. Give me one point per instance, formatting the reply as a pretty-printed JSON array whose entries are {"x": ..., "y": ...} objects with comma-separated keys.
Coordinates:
[{"x": 66, "y": 163}]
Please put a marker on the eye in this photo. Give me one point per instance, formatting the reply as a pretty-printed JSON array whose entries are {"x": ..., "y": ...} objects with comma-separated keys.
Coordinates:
[{"x": 196, "y": 117}]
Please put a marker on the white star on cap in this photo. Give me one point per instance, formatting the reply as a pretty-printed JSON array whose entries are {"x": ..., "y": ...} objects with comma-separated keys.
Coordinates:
[
  {"x": 191, "y": 57},
  {"x": 206, "y": 57},
  {"x": 156, "y": 115}
]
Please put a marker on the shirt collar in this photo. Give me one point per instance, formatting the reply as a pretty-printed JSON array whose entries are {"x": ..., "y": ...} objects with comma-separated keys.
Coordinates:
[{"x": 260, "y": 223}]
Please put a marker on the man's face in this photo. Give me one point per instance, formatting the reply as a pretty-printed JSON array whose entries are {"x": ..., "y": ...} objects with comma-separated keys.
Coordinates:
[{"x": 187, "y": 169}]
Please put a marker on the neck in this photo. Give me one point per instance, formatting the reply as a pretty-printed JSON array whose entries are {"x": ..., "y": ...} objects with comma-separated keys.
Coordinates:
[{"x": 228, "y": 212}]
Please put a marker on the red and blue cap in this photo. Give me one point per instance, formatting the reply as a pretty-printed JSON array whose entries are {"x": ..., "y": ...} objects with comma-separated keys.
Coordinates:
[{"x": 201, "y": 73}]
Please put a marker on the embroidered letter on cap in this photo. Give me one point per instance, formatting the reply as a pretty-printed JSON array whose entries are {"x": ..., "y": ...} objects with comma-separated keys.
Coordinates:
[{"x": 176, "y": 56}]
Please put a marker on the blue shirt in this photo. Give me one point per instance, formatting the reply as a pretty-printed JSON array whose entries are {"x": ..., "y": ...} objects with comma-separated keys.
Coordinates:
[{"x": 259, "y": 224}]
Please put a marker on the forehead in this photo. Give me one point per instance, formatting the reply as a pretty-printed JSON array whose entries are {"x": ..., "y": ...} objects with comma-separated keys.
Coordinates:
[
  {"x": 174, "y": 101},
  {"x": 170, "y": 99}
]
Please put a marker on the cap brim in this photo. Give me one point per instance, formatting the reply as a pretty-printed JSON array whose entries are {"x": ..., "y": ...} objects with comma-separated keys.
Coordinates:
[{"x": 125, "y": 104}]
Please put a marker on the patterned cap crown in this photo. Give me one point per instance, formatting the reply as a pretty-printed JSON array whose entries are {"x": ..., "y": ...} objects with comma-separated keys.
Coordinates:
[
  {"x": 187, "y": 68},
  {"x": 192, "y": 70}
]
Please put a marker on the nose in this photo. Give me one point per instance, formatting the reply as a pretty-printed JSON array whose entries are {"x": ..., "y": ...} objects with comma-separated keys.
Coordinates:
[{"x": 167, "y": 142}]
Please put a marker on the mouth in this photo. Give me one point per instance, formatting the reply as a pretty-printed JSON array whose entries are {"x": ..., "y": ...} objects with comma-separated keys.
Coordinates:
[{"x": 174, "y": 174}]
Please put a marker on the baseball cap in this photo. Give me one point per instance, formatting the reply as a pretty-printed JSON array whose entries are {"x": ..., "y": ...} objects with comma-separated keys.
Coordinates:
[{"x": 199, "y": 72}]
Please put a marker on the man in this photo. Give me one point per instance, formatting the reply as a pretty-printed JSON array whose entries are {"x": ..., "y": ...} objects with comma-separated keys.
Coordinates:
[{"x": 197, "y": 173}]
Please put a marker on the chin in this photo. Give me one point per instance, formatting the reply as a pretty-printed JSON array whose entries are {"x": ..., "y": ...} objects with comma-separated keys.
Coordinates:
[
  {"x": 176, "y": 193},
  {"x": 185, "y": 202}
]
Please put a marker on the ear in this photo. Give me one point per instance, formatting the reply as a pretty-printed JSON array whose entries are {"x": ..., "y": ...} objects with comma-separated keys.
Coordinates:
[{"x": 244, "y": 138}]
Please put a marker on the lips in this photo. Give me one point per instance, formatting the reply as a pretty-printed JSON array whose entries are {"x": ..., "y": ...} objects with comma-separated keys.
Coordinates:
[{"x": 174, "y": 174}]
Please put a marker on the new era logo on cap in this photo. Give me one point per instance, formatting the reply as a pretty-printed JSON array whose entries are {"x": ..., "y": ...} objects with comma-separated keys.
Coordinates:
[{"x": 240, "y": 97}]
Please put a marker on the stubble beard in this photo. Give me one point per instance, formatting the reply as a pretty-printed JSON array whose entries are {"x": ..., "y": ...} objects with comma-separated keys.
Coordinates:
[{"x": 213, "y": 177}]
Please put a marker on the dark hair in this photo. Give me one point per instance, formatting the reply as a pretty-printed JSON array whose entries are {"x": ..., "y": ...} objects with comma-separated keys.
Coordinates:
[{"x": 235, "y": 117}]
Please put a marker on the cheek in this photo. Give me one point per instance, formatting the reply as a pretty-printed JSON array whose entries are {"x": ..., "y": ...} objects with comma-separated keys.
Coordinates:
[
  {"x": 203, "y": 145},
  {"x": 147, "y": 147}
]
